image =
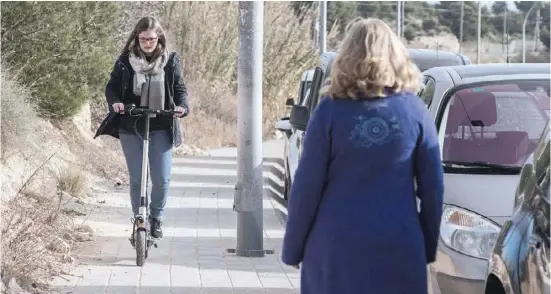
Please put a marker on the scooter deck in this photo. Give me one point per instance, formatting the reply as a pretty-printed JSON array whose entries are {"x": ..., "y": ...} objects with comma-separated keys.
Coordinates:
[{"x": 151, "y": 241}]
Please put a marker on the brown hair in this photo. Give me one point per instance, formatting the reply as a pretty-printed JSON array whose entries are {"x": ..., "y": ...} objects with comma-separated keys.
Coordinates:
[
  {"x": 372, "y": 62},
  {"x": 145, "y": 24}
]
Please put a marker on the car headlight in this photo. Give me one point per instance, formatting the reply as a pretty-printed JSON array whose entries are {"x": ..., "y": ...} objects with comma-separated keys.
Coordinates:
[{"x": 467, "y": 232}]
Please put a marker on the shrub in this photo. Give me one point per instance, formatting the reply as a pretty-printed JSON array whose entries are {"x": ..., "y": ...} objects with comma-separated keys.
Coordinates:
[
  {"x": 429, "y": 24},
  {"x": 61, "y": 50},
  {"x": 71, "y": 179},
  {"x": 409, "y": 34},
  {"x": 18, "y": 119}
]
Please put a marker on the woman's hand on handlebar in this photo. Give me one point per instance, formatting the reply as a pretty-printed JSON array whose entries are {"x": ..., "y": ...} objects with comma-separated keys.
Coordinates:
[
  {"x": 181, "y": 111},
  {"x": 118, "y": 107}
]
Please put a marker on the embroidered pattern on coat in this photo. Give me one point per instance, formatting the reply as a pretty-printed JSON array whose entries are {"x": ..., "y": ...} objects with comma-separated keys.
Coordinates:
[{"x": 374, "y": 130}]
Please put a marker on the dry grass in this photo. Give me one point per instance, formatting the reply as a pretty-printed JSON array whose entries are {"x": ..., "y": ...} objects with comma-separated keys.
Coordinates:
[
  {"x": 206, "y": 35},
  {"x": 19, "y": 120},
  {"x": 72, "y": 180},
  {"x": 35, "y": 229}
]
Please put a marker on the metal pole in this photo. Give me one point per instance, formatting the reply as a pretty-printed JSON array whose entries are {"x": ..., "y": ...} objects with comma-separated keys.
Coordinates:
[
  {"x": 402, "y": 17},
  {"x": 461, "y": 25},
  {"x": 524, "y": 32},
  {"x": 398, "y": 18},
  {"x": 479, "y": 32},
  {"x": 248, "y": 196},
  {"x": 323, "y": 27},
  {"x": 504, "y": 28},
  {"x": 537, "y": 31},
  {"x": 316, "y": 33}
]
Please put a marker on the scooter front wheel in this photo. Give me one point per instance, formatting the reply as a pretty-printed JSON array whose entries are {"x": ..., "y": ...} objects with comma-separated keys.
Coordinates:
[{"x": 141, "y": 247}]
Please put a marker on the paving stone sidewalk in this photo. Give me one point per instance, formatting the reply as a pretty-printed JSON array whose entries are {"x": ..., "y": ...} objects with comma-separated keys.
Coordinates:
[{"x": 199, "y": 226}]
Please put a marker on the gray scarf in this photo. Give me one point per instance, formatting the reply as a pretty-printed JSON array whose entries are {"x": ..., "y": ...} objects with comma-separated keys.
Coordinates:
[{"x": 149, "y": 80}]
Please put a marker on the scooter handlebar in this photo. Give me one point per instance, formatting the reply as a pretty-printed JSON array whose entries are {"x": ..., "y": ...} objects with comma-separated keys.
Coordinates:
[{"x": 132, "y": 110}]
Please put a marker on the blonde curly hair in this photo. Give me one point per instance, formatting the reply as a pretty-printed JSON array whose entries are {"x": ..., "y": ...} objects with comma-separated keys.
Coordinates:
[{"x": 372, "y": 62}]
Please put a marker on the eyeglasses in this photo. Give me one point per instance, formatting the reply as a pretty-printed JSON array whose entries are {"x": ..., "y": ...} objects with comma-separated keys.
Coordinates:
[{"x": 148, "y": 40}]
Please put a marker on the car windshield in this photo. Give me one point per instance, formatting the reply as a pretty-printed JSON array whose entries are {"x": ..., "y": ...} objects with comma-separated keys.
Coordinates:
[{"x": 495, "y": 123}]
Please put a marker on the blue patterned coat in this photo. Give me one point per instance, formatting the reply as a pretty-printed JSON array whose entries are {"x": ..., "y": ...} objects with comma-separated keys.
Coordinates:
[{"x": 353, "y": 222}]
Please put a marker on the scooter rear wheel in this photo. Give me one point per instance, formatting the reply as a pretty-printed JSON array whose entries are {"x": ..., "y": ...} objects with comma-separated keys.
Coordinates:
[{"x": 141, "y": 247}]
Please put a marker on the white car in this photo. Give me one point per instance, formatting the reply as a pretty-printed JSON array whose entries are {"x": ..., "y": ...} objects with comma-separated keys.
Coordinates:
[{"x": 284, "y": 126}]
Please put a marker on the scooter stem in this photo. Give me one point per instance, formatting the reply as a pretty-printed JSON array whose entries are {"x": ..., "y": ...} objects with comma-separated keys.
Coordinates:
[{"x": 145, "y": 168}]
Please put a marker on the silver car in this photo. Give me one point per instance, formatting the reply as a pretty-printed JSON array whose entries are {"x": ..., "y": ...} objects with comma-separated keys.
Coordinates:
[{"x": 490, "y": 118}]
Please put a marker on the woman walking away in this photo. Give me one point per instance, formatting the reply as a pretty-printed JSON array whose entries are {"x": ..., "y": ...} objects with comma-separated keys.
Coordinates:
[
  {"x": 353, "y": 220},
  {"x": 147, "y": 75}
]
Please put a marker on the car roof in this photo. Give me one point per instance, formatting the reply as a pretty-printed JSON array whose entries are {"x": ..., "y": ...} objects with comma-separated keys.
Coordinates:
[
  {"x": 428, "y": 58},
  {"x": 423, "y": 58},
  {"x": 489, "y": 71}
]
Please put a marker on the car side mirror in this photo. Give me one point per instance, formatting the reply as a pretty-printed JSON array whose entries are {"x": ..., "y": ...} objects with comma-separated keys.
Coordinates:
[
  {"x": 283, "y": 125},
  {"x": 290, "y": 102},
  {"x": 299, "y": 117}
]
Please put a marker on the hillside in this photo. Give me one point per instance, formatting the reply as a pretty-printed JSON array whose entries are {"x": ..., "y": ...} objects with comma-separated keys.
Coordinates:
[{"x": 49, "y": 171}]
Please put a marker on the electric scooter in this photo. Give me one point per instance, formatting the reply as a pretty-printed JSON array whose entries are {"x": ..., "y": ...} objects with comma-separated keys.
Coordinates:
[{"x": 142, "y": 240}]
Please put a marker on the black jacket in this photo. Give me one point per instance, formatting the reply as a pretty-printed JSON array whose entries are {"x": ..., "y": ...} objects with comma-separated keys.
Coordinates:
[{"x": 122, "y": 78}]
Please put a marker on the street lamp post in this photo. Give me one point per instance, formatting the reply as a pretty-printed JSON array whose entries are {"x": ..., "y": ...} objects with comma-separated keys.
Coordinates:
[{"x": 524, "y": 32}]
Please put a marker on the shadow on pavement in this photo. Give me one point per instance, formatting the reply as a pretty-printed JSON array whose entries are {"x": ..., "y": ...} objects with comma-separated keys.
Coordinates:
[
  {"x": 174, "y": 290},
  {"x": 205, "y": 250}
]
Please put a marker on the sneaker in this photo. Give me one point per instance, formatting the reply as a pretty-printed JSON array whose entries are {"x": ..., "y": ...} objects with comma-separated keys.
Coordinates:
[{"x": 156, "y": 228}]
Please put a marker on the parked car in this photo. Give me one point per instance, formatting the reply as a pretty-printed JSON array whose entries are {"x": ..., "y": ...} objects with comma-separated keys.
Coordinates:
[
  {"x": 284, "y": 126},
  {"x": 423, "y": 58},
  {"x": 490, "y": 118},
  {"x": 519, "y": 262}
]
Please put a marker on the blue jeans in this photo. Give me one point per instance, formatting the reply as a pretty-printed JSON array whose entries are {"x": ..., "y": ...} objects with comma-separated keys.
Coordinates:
[{"x": 160, "y": 162}]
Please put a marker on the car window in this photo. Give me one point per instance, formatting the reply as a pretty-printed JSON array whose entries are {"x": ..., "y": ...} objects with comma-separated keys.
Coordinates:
[
  {"x": 423, "y": 80},
  {"x": 308, "y": 85},
  {"x": 315, "y": 88},
  {"x": 428, "y": 91},
  {"x": 301, "y": 90},
  {"x": 306, "y": 98},
  {"x": 499, "y": 124}
]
